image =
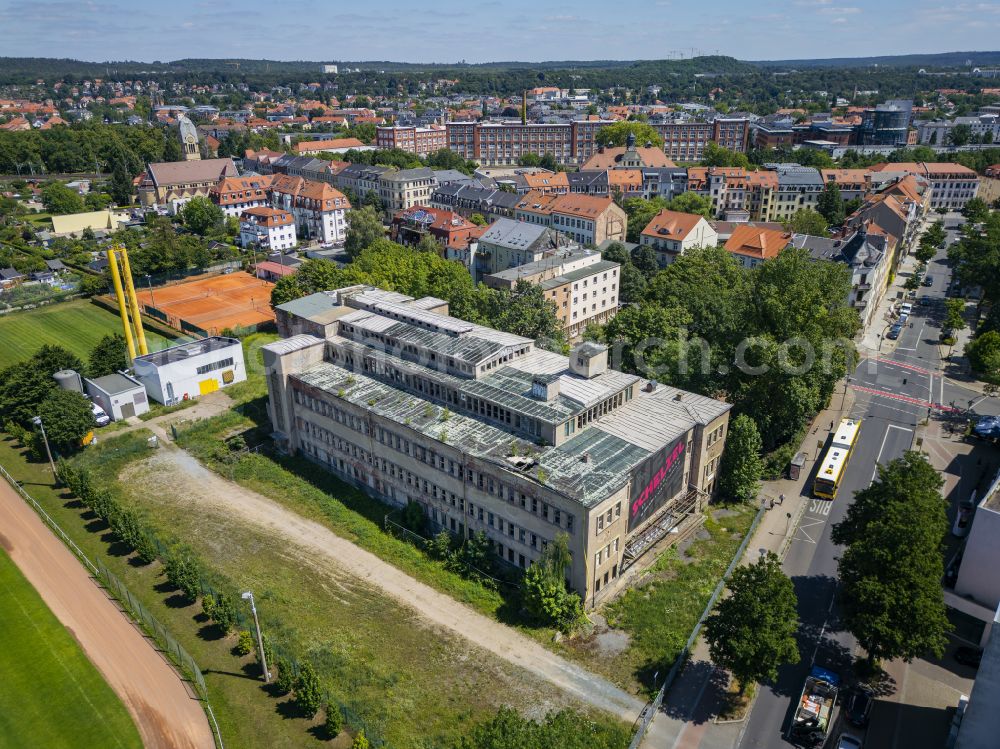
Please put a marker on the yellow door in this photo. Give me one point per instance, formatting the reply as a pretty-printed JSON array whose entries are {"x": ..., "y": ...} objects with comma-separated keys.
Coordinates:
[{"x": 207, "y": 386}]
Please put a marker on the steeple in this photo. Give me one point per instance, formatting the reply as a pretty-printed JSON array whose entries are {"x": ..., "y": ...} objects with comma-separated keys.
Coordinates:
[{"x": 189, "y": 139}]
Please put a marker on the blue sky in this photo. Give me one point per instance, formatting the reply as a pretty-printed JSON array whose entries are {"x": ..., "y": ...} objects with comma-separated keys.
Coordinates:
[{"x": 453, "y": 30}]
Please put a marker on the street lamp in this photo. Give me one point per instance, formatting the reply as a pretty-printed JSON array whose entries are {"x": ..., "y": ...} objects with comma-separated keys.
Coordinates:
[
  {"x": 37, "y": 421},
  {"x": 149, "y": 282},
  {"x": 248, "y": 596}
]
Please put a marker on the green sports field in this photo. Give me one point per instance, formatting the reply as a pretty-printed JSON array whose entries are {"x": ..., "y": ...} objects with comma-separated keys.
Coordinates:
[
  {"x": 76, "y": 325},
  {"x": 50, "y": 694}
]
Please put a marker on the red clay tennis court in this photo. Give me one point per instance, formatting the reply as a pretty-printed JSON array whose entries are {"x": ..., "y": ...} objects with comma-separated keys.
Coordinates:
[{"x": 209, "y": 305}]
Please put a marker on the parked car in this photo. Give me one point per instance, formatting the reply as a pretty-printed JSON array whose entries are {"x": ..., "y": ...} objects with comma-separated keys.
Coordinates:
[
  {"x": 848, "y": 741},
  {"x": 966, "y": 509},
  {"x": 969, "y": 656},
  {"x": 894, "y": 331},
  {"x": 859, "y": 707},
  {"x": 928, "y": 281},
  {"x": 905, "y": 308},
  {"x": 100, "y": 417}
]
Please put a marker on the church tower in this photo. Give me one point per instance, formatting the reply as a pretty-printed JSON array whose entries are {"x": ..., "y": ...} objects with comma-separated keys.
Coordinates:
[{"x": 189, "y": 139}]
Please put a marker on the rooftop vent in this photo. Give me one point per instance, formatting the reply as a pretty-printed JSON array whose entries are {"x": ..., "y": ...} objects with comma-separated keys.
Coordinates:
[{"x": 651, "y": 386}]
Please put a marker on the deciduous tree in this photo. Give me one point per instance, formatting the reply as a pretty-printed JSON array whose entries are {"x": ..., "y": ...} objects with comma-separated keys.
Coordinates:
[
  {"x": 752, "y": 631},
  {"x": 742, "y": 464},
  {"x": 110, "y": 355},
  {"x": 891, "y": 569}
]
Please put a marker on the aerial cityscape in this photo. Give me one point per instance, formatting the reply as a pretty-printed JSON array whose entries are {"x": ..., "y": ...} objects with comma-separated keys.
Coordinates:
[{"x": 614, "y": 385}]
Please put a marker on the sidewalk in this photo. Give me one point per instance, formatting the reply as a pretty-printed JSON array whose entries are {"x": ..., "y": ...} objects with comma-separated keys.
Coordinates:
[{"x": 686, "y": 720}]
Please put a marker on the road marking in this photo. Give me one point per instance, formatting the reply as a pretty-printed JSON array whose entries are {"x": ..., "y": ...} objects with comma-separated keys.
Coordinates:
[
  {"x": 884, "y": 438},
  {"x": 885, "y": 393},
  {"x": 904, "y": 365},
  {"x": 913, "y": 348},
  {"x": 820, "y": 506},
  {"x": 808, "y": 537}
]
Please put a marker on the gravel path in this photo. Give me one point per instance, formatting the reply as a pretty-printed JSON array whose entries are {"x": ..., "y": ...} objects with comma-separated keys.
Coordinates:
[
  {"x": 166, "y": 714},
  {"x": 327, "y": 551}
]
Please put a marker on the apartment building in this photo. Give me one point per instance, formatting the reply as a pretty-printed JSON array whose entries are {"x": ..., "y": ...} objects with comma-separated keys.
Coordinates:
[
  {"x": 672, "y": 233},
  {"x": 952, "y": 185},
  {"x": 686, "y": 140},
  {"x": 582, "y": 286},
  {"x": 405, "y": 188},
  {"x": 752, "y": 245},
  {"x": 268, "y": 229},
  {"x": 487, "y": 433},
  {"x": 319, "y": 210},
  {"x": 235, "y": 194},
  {"x": 330, "y": 145},
  {"x": 466, "y": 200},
  {"x": 854, "y": 184},
  {"x": 508, "y": 244},
  {"x": 734, "y": 191},
  {"x": 799, "y": 187},
  {"x": 446, "y": 227},
  {"x": 422, "y": 141},
  {"x": 587, "y": 219}
]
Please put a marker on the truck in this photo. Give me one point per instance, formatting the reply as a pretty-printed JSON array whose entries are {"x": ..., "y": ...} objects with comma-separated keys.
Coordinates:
[{"x": 814, "y": 712}]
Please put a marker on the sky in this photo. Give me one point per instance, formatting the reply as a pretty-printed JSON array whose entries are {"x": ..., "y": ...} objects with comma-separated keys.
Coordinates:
[{"x": 490, "y": 30}]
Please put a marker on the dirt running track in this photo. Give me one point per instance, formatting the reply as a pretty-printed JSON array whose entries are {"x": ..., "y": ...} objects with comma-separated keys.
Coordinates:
[
  {"x": 319, "y": 544},
  {"x": 166, "y": 714}
]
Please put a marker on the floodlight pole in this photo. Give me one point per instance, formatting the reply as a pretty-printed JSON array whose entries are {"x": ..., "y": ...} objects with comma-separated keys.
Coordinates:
[
  {"x": 38, "y": 420},
  {"x": 248, "y": 596}
]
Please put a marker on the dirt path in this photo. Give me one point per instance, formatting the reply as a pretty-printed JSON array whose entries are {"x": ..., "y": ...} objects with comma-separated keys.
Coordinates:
[
  {"x": 325, "y": 550},
  {"x": 167, "y": 716}
]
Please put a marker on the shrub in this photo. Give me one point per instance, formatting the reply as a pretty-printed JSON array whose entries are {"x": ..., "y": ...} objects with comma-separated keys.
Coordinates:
[
  {"x": 360, "y": 741},
  {"x": 285, "y": 682},
  {"x": 413, "y": 517},
  {"x": 334, "y": 722},
  {"x": 244, "y": 646},
  {"x": 184, "y": 573},
  {"x": 307, "y": 691},
  {"x": 224, "y": 613},
  {"x": 439, "y": 547},
  {"x": 208, "y": 605}
]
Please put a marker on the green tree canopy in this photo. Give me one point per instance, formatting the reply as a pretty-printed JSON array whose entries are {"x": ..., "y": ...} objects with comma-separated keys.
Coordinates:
[
  {"x": 565, "y": 729},
  {"x": 57, "y": 198},
  {"x": 203, "y": 217},
  {"x": 110, "y": 355},
  {"x": 25, "y": 385},
  {"x": 891, "y": 568},
  {"x": 983, "y": 353},
  {"x": 692, "y": 202},
  {"x": 831, "y": 205},
  {"x": 364, "y": 226},
  {"x": 617, "y": 134},
  {"x": 716, "y": 155},
  {"x": 742, "y": 464},
  {"x": 67, "y": 418},
  {"x": 751, "y": 632},
  {"x": 545, "y": 595},
  {"x": 807, "y": 221}
]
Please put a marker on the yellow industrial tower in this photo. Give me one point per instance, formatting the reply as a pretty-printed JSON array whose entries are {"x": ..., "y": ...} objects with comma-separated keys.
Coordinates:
[{"x": 127, "y": 301}]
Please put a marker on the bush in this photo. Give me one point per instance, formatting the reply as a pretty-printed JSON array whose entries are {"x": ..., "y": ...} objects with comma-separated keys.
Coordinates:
[
  {"x": 360, "y": 741},
  {"x": 414, "y": 518},
  {"x": 224, "y": 613},
  {"x": 307, "y": 691},
  {"x": 334, "y": 722},
  {"x": 244, "y": 646},
  {"x": 439, "y": 546},
  {"x": 184, "y": 573},
  {"x": 285, "y": 682}
]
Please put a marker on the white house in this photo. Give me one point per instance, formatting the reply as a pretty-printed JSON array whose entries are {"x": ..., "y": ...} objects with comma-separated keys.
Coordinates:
[
  {"x": 119, "y": 395},
  {"x": 672, "y": 233},
  {"x": 191, "y": 369},
  {"x": 319, "y": 210},
  {"x": 268, "y": 229}
]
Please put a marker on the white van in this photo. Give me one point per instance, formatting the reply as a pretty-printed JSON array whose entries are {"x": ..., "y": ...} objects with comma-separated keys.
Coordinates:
[{"x": 100, "y": 417}]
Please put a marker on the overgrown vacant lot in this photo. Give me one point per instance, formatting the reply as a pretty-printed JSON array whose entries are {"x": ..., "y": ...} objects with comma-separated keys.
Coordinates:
[
  {"x": 76, "y": 325},
  {"x": 50, "y": 694},
  {"x": 411, "y": 684}
]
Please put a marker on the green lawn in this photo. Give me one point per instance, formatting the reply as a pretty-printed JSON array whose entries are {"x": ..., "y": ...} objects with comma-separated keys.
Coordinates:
[
  {"x": 50, "y": 694},
  {"x": 76, "y": 325}
]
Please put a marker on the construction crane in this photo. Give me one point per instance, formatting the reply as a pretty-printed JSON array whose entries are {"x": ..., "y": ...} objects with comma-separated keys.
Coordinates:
[{"x": 128, "y": 302}]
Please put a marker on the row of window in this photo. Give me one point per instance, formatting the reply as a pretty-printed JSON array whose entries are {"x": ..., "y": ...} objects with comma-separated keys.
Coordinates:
[{"x": 221, "y": 364}]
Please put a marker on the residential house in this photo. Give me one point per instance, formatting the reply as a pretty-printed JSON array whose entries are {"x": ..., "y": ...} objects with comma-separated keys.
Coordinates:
[
  {"x": 466, "y": 200},
  {"x": 508, "y": 243},
  {"x": 448, "y": 228},
  {"x": 854, "y": 184},
  {"x": 952, "y": 185},
  {"x": 235, "y": 194},
  {"x": 405, "y": 188},
  {"x": 267, "y": 228},
  {"x": 799, "y": 188},
  {"x": 752, "y": 245},
  {"x": 319, "y": 210},
  {"x": 671, "y": 233},
  {"x": 588, "y": 219}
]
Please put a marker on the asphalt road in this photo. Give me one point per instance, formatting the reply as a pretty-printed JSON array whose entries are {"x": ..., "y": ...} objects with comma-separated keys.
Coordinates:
[{"x": 893, "y": 392}]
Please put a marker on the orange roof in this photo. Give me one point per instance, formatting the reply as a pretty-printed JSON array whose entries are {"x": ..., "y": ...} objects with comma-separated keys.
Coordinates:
[
  {"x": 625, "y": 178},
  {"x": 923, "y": 168},
  {"x": 908, "y": 187},
  {"x": 315, "y": 146},
  {"x": 610, "y": 157},
  {"x": 546, "y": 181},
  {"x": 584, "y": 206},
  {"x": 845, "y": 176},
  {"x": 756, "y": 242},
  {"x": 268, "y": 217},
  {"x": 457, "y": 230},
  {"x": 230, "y": 190},
  {"x": 672, "y": 225},
  {"x": 328, "y": 197},
  {"x": 535, "y": 201}
]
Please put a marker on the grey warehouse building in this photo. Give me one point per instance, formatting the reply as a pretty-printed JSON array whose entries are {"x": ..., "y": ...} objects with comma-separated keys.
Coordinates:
[{"x": 490, "y": 433}]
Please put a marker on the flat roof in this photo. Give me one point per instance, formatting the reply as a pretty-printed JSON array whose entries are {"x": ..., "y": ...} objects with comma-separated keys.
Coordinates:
[
  {"x": 188, "y": 350},
  {"x": 115, "y": 383}
]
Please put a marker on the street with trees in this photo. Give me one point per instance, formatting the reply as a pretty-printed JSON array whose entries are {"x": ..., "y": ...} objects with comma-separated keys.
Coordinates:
[{"x": 892, "y": 534}]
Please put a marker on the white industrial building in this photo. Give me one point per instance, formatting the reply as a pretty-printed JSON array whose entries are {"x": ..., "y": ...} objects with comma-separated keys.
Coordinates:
[
  {"x": 119, "y": 395},
  {"x": 191, "y": 369}
]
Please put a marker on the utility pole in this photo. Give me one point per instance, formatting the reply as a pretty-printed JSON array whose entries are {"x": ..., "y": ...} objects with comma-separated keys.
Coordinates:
[
  {"x": 38, "y": 422},
  {"x": 248, "y": 596}
]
